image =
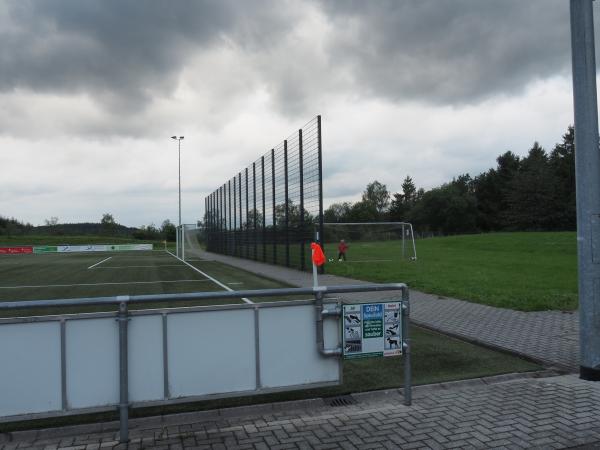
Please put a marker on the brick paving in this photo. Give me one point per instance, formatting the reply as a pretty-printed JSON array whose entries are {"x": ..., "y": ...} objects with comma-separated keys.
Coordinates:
[
  {"x": 545, "y": 413},
  {"x": 551, "y": 337}
]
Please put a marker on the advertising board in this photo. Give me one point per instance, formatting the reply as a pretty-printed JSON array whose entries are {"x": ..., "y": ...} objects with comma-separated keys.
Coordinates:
[{"x": 15, "y": 250}]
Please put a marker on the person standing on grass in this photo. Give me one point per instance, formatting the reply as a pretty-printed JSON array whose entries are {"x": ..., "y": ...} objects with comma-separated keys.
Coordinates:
[{"x": 342, "y": 248}]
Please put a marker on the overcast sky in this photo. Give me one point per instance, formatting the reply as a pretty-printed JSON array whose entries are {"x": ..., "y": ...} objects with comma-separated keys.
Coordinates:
[{"x": 92, "y": 90}]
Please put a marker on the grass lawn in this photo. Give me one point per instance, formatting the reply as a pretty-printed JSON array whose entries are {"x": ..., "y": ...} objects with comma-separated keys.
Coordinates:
[
  {"x": 435, "y": 358},
  {"x": 522, "y": 271}
]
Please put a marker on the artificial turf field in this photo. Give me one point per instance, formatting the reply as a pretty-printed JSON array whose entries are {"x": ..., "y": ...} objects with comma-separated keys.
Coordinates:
[
  {"x": 102, "y": 274},
  {"x": 436, "y": 357}
]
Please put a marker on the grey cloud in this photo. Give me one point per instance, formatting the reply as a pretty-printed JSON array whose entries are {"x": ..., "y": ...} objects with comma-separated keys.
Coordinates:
[
  {"x": 451, "y": 51},
  {"x": 121, "y": 52}
]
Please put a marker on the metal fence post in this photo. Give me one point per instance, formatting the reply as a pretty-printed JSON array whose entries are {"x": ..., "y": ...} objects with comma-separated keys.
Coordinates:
[
  {"x": 320, "y": 156},
  {"x": 254, "y": 211},
  {"x": 274, "y": 206},
  {"x": 240, "y": 232},
  {"x": 247, "y": 224},
  {"x": 264, "y": 211},
  {"x": 235, "y": 241},
  {"x": 407, "y": 388},
  {"x": 229, "y": 227},
  {"x": 123, "y": 374},
  {"x": 302, "y": 233},
  {"x": 287, "y": 204}
]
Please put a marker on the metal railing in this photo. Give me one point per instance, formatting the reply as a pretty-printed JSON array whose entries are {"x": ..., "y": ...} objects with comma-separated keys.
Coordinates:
[{"x": 324, "y": 307}]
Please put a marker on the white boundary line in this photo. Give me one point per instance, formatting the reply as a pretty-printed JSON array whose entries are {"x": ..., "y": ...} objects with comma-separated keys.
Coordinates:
[
  {"x": 362, "y": 261},
  {"x": 135, "y": 267},
  {"x": 214, "y": 280},
  {"x": 98, "y": 263},
  {"x": 102, "y": 284}
]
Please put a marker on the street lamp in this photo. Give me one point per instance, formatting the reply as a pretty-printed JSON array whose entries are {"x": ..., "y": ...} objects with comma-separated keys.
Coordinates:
[{"x": 179, "y": 139}]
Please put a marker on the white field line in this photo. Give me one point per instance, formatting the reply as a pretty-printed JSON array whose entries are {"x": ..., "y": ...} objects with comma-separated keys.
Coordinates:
[
  {"x": 364, "y": 261},
  {"x": 214, "y": 280},
  {"x": 231, "y": 284},
  {"x": 131, "y": 267},
  {"x": 98, "y": 263},
  {"x": 101, "y": 284}
]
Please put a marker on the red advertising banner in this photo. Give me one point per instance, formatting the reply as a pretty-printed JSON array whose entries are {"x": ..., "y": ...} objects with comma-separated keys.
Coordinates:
[{"x": 15, "y": 250}]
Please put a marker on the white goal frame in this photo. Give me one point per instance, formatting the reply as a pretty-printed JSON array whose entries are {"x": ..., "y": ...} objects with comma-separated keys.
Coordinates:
[
  {"x": 180, "y": 231},
  {"x": 407, "y": 228}
]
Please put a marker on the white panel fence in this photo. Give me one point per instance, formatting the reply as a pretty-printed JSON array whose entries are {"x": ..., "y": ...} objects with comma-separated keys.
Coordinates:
[{"x": 79, "y": 363}]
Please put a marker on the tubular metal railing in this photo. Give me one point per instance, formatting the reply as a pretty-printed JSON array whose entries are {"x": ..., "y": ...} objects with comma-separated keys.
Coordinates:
[{"x": 322, "y": 311}]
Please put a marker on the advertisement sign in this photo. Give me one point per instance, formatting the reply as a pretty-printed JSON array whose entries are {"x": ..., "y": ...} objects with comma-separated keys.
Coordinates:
[
  {"x": 373, "y": 329},
  {"x": 15, "y": 250},
  {"x": 45, "y": 249},
  {"x": 102, "y": 248}
]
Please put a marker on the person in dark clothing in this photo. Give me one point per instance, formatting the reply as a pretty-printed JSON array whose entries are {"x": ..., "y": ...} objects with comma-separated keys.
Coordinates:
[{"x": 342, "y": 248}]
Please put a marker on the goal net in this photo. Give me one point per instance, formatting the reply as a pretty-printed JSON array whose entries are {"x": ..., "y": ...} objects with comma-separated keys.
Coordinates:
[
  {"x": 189, "y": 241},
  {"x": 369, "y": 242}
]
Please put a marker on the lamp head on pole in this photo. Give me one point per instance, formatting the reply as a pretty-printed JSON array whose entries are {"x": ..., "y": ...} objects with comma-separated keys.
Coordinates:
[{"x": 177, "y": 138}]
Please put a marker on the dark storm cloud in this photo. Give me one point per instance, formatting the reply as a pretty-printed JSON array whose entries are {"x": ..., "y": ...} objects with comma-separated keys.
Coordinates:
[
  {"x": 448, "y": 51},
  {"x": 120, "y": 51}
]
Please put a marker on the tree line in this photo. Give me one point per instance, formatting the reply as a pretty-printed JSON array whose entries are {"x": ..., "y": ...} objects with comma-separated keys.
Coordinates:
[
  {"x": 531, "y": 193},
  {"x": 107, "y": 226}
]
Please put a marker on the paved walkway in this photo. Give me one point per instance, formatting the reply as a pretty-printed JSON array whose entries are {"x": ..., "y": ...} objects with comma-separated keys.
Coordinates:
[
  {"x": 551, "y": 337},
  {"x": 558, "y": 412}
]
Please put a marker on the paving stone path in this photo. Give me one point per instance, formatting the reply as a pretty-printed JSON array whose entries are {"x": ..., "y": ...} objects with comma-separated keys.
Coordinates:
[
  {"x": 545, "y": 413},
  {"x": 551, "y": 337}
]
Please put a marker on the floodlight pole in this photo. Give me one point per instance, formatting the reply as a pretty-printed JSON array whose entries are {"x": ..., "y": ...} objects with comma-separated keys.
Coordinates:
[
  {"x": 587, "y": 171},
  {"x": 179, "y": 139}
]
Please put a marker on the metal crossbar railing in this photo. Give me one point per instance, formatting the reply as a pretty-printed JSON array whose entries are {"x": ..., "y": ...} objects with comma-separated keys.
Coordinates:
[
  {"x": 269, "y": 211},
  {"x": 62, "y": 336}
]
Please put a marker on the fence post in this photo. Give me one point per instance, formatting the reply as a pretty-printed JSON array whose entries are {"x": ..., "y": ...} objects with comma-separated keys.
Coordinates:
[
  {"x": 287, "y": 207},
  {"x": 229, "y": 227},
  {"x": 320, "y": 156},
  {"x": 407, "y": 388},
  {"x": 302, "y": 234},
  {"x": 254, "y": 211},
  {"x": 235, "y": 241},
  {"x": 123, "y": 374},
  {"x": 247, "y": 224},
  {"x": 274, "y": 206},
  {"x": 264, "y": 211},
  {"x": 240, "y": 232}
]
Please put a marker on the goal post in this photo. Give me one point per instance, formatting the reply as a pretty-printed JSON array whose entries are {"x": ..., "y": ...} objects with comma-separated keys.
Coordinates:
[
  {"x": 373, "y": 238},
  {"x": 188, "y": 239}
]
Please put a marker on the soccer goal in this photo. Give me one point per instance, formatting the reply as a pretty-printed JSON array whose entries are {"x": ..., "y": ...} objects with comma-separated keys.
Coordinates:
[
  {"x": 370, "y": 241},
  {"x": 189, "y": 239}
]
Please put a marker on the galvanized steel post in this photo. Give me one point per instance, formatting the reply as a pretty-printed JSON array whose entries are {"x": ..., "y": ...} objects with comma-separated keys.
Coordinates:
[
  {"x": 587, "y": 168},
  {"x": 407, "y": 387},
  {"x": 320, "y": 159},
  {"x": 123, "y": 374},
  {"x": 301, "y": 174}
]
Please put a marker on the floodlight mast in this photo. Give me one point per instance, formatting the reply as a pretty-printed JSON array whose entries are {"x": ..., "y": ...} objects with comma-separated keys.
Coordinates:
[
  {"x": 179, "y": 139},
  {"x": 587, "y": 176}
]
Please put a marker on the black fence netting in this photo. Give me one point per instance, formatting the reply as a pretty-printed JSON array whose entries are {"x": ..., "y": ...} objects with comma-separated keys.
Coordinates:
[{"x": 271, "y": 210}]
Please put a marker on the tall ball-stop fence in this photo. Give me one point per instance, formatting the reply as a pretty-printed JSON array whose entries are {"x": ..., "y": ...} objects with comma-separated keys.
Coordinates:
[{"x": 270, "y": 210}]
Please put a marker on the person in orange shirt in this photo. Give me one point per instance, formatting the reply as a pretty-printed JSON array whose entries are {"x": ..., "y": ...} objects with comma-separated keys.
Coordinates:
[{"x": 342, "y": 248}]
